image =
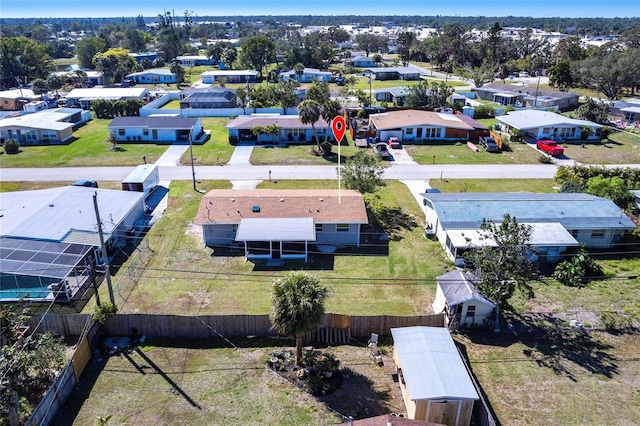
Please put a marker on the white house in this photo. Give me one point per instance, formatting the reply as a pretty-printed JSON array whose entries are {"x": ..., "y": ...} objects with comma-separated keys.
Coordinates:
[
  {"x": 232, "y": 76},
  {"x": 435, "y": 384},
  {"x": 308, "y": 75},
  {"x": 290, "y": 129},
  {"x": 460, "y": 301},
  {"x": 548, "y": 125},
  {"x": 558, "y": 221},
  {"x": 84, "y": 97},
  {"x": 154, "y": 76},
  {"x": 51, "y": 126},
  {"x": 281, "y": 224},
  {"x": 157, "y": 129},
  {"x": 15, "y": 99},
  {"x": 528, "y": 97}
]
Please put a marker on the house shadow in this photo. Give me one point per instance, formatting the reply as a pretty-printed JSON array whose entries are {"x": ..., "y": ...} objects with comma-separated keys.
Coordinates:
[
  {"x": 390, "y": 221},
  {"x": 316, "y": 262},
  {"x": 551, "y": 344}
]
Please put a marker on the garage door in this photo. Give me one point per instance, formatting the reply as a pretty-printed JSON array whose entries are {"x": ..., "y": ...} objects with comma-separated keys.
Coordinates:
[{"x": 386, "y": 134}]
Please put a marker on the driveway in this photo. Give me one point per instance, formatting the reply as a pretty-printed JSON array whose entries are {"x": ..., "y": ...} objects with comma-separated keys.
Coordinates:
[
  {"x": 172, "y": 155},
  {"x": 242, "y": 153},
  {"x": 401, "y": 156}
]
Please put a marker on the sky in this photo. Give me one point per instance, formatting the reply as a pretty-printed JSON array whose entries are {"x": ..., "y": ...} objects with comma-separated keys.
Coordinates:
[{"x": 128, "y": 8}]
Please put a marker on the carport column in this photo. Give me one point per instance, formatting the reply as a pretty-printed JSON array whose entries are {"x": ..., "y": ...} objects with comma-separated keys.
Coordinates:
[
  {"x": 246, "y": 251},
  {"x": 306, "y": 250},
  {"x": 358, "y": 235}
]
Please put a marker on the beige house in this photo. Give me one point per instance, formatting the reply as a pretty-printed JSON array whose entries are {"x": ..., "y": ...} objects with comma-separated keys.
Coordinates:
[
  {"x": 419, "y": 126},
  {"x": 51, "y": 126},
  {"x": 434, "y": 381}
]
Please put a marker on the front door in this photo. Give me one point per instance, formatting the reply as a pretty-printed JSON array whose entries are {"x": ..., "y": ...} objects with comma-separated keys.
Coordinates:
[
  {"x": 443, "y": 412},
  {"x": 419, "y": 133}
]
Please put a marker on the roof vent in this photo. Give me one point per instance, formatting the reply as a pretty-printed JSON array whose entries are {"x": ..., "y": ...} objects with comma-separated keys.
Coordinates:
[
  {"x": 255, "y": 209},
  {"x": 321, "y": 199},
  {"x": 233, "y": 200},
  {"x": 50, "y": 205},
  {"x": 282, "y": 200}
]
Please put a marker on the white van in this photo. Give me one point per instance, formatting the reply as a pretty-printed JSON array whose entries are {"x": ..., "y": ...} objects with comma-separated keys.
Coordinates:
[{"x": 523, "y": 74}]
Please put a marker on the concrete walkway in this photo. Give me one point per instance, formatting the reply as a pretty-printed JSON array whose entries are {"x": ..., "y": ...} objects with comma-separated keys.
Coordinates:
[
  {"x": 417, "y": 187},
  {"x": 172, "y": 155},
  {"x": 245, "y": 184},
  {"x": 242, "y": 153}
]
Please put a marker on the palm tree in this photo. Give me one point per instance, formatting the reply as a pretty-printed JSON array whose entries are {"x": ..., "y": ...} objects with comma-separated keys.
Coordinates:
[
  {"x": 299, "y": 70},
  {"x": 330, "y": 110},
  {"x": 297, "y": 302},
  {"x": 310, "y": 112}
]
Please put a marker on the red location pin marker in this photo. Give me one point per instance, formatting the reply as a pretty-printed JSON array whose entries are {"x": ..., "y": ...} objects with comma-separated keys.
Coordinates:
[{"x": 339, "y": 126}]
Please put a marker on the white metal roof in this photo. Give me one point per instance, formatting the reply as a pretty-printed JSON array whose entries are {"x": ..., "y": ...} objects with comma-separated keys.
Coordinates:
[
  {"x": 52, "y": 214},
  {"x": 140, "y": 173},
  {"x": 431, "y": 365},
  {"x": 107, "y": 93},
  {"x": 49, "y": 119},
  {"x": 275, "y": 229},
  {"x": 542, "y": 234},
  {"x": 529, "y": 119}
]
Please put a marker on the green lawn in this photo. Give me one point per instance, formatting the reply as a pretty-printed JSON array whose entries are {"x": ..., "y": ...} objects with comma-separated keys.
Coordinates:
[
  {"x": 396, "y": 277},
  {"x": 461, "y": 154},
  {"x": 299, "y": 155},
  {"x": 621, "y": 148},
  {"x": 217, "y": 150},
  {"x": 495, "y": 185},
  {"x": 89, "y": 148}
]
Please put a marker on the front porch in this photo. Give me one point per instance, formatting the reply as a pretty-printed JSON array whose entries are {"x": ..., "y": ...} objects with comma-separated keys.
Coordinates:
[{"x": 273, "y": 238}]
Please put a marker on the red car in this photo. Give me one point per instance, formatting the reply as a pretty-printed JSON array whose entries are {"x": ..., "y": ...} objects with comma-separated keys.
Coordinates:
[
  {"x": 550, "y": 147},
  {"x": 394, "y": 143}
]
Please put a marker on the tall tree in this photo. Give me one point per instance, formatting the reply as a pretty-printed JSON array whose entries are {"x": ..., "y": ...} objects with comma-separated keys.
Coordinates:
[
  {"x": 310, "y": 112},
  {"x": 503, "y": 260},
  {"x": 372, "y": 43},
  {"x": 363, "y": 172},
  {"x": 405, "y": 43},
  {"x": 115, "y": 64},
  {"x": 23, "y": 58},
  {"x": 257, "y": 52},
  {"x": 297, "y": 306},
  {"x": 89, "y": 47},
  {"x": 285, "y": 93}
]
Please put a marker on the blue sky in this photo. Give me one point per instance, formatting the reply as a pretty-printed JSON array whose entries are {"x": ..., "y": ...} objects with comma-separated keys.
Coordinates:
[{"x": 116, "y": 8}]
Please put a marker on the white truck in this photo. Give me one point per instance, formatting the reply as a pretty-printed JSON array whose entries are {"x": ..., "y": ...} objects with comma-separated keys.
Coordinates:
[{"x": 144, "y": 178}]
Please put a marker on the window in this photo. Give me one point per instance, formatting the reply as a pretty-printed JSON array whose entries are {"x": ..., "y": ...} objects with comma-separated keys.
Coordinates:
[
  {"x": 597, "y": 233},
  {"x": 409, "y": 131},
  {"x": 318, "y": 227},
  {"x": 546, "y": 130},
  {"x": 48, "y": 134},
  {"x": 121, "y": 132},
  {"x": 343, "y": 227},
  {"x": 471, "y": 311},
  {"x": 145, "y": 132},
  {"x": 574, "y": 233}
]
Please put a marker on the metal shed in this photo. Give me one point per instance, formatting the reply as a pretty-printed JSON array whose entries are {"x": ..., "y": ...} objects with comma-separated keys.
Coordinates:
[{"x": 435, "y": 384}]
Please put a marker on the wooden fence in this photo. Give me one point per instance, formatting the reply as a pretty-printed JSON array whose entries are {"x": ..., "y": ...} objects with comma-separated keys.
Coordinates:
[{"x": 207, "y": 326}]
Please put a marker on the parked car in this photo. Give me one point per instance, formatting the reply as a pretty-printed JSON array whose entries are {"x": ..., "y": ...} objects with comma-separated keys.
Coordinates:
[
  {"x": 550, "y": 147},
  {"x": 489, "y": 144},
  {"x": 88, "y": 183},
  {"x": 394, "y": 143},
  {"x": 381, "y": 149}
]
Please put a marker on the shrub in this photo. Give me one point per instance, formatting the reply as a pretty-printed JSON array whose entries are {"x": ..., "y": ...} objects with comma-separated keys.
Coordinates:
[
  {"x": 544, "y": 159},
  {"x": 11, "y": 146},
  {"x": 326, "y": 147},
  {"x": 105, "y": 311},
  {"x": 484, "y": 111},
  {"x": 579, "y": 270},
  {"x": 233, "y": 140},
  {"x": 572, "y": 186}
]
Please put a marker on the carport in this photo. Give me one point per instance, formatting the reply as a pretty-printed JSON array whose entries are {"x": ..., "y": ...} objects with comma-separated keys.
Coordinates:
[{"x": 276, "y": 238}]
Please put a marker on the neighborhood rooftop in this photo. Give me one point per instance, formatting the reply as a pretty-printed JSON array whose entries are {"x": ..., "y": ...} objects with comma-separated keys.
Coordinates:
[
  {"x": 572, "y": 210},
  {"x": 528, "y": 118},
  {"x": 232, "y": 206},
  {"x": 156, "y": 122},
  {"x": 397, "y": 119}
]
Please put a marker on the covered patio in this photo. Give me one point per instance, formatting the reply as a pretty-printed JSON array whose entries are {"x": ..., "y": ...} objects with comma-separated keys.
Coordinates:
[{"x": 276, "y": 238}]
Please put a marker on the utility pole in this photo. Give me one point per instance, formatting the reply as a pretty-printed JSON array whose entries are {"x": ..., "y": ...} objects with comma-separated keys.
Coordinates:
[
  {"x": 103, "y": 248},
  {"x": 92, "y": 277},
  {"x": 193, "y": 170}
]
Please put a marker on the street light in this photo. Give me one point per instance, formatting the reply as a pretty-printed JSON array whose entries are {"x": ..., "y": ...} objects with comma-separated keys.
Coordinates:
[{"x": 368, "y": 75}]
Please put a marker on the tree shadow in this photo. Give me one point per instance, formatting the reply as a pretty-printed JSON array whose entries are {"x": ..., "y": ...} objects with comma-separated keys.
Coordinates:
[
  {"x": 391, "y": 221},
  {"x": 551, "y": 344},
  {"x": 316, "y": 262}
]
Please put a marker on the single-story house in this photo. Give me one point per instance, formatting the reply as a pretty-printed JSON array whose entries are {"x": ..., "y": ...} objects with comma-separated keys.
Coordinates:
[
  {"x": 419, "y": 126},
  {"x": 309, "y": 75},
  {"x": 362, "y": 62},
  {"x": 528, "y": 97},
  {"x": 630, "y": 113},
  {"x": 140, "y": 56},
  {"x": 558, "y": 220},
  {"x": 209, "y": 97},
  {"x": 434, "y": 381},
  {"x": 94, "y": 78},
  {"x": 51, "y": 126},
  {"x": 394, "y": 73},
  {"x": 479, "y": 129},
  {"x": 636, "y": 195},
  {"x": 85, "y": 96},
  {"x": 232, "y": 76},
  {"x": 195, "y": 60},
  {"x": 395, "y": 95},
  {"x": 15, "y": 99},
  {"x": 618, "y": 108},
  {"x": 548, "y": 125},
  {"x": 460, "y": 301},
  {"x": 157, "y": 129},
  {"x": 291, "y": 129},
  {"x": 48, "y": 237},
  {"x": 281, "y": 224},
  {"x": 154, "y": 76}
]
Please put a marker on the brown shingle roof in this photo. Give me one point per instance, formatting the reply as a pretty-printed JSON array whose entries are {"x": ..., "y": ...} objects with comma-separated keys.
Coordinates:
[
  {"x": 231, "y": 206},
  {"x": 413, "y": 117},
  {"x": 388, "y": 419}
]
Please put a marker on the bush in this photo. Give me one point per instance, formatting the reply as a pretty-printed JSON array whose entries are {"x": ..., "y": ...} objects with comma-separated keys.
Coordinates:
[
  {"x": 233, "y": 140},
  {"x": 326, "y": 147},
  {"x": 11, "y": 146},
  {"x": 579, "y": 270},
  {"x": 105, "y": 311},
  {"x": 484, "y": 111},
  {"x": 544, "y": 159}
]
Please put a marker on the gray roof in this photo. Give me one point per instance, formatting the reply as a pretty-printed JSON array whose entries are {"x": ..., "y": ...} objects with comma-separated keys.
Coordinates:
[
  {"x": 209, "y": 95},
  {"x": 533, "y": 119},
  {"x": 431, "y": 365},
  {"x": 399, "y": 70},
  {"x": 276, "y": 229},
  {"x": 457, "y": 288},
  {"x": 466, "y": 210},
  {"x": 155, "y": 122},
  {"x": 158, "y": 71},
  {"x": 519, "y": 90},
  {"x": 52, "y": 214},
  {"x": 395, "y": 91}
]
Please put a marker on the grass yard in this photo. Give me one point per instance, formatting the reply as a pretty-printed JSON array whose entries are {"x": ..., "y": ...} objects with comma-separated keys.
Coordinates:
[
  {"x": 495, "y": 185},
  {"x": 558, "y": 377},
  {"x": 299, "y": 155},
  {"x": 622, "y": 148},
  {"x": 90, "y": 148},
  {"x": 169, "y": 382},
  {"x": 185, "y": 278},
  {"x": 461, "y": 154},
  {"x": 217, "y": 150}
]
